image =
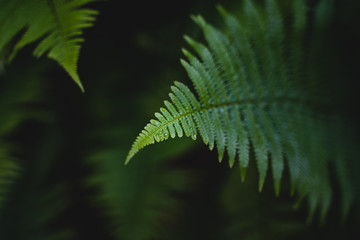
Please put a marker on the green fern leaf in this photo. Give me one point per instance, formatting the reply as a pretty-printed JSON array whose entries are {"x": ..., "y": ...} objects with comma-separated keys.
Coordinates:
[
  {"x": 257, "y": 83},
  {"x": 8, "y": 172},
  {"x": 138, "y": 196},
  {"x": 57, "y": 23},
  {"x": 16, "y": 98}
]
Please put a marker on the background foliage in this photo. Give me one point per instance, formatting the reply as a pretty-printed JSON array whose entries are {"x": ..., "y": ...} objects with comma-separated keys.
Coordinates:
[{"x": 63, "y": 151}]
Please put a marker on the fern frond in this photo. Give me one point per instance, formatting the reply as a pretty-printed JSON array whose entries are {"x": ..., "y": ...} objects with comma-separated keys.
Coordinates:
[
  {"x": 33, "y": 203},
  {"x": 275, "y": 216},
  {"x": 8, "y": 172},
  {"x": 138, "y": 197},
  {"x": 57, "y": 23},
  {"x": 257, "y": 83},
  {"x": 16, "y": 98}
]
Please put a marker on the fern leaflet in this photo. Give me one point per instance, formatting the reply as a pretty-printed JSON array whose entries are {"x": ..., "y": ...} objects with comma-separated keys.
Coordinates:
[{"x": 57, "y": 23}]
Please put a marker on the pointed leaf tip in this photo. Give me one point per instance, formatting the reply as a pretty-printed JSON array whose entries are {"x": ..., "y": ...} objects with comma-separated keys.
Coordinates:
[
  {"x": 261, "y": 184},
  {"x": 189, "y": 40},
  {"x": 221, "y": 9},
  {"x": 211, "y": 146},
  {"x": 184, "y": 63},
  {"x": 231, "y": 161},
  {"x": 186, "y": 38},
  {"x": 243, "y": 173},
  {"x": 220, "y": 155},
  {"x": 127, "y": 160},
  {"x": 73, "y": 74},
  {"x": 186, "y": 52},
  {"x": 198, "y": 19},
  {"x": 277, "y": 188}
]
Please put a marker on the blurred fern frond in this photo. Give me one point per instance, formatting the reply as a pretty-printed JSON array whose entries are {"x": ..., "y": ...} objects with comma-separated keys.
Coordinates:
[
  {"x": 140, "y": 200},
  {"x": 8, "y": 172},
  {"x": 267, "y": 217},
  {"x": 265, "y": 83},
  {"x": 16, "y": 106},
  {"x": 58, "y": 24}
]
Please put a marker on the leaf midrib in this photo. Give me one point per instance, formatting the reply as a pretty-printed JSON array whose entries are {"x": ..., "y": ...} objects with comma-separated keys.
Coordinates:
[{"x": 220, "y": 105}]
